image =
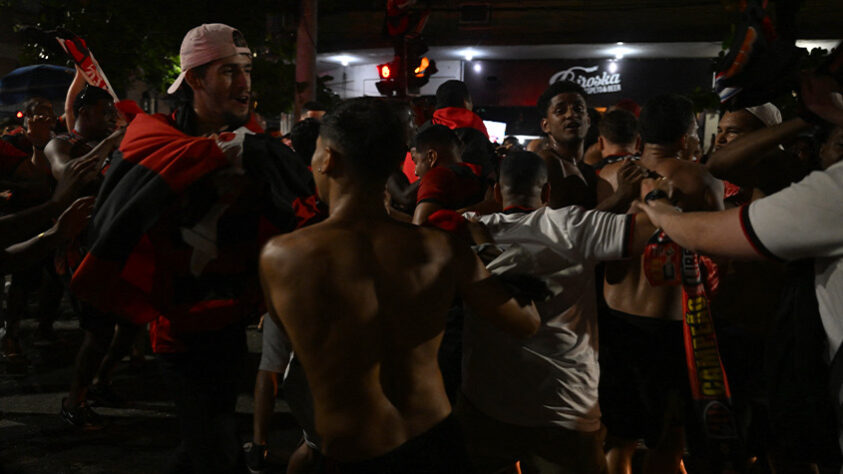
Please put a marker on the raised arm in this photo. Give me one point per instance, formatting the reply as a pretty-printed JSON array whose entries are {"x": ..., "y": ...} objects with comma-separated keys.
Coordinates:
[
  {"x": 738, "y": 160},
  {"x": 75, "y": 87}
]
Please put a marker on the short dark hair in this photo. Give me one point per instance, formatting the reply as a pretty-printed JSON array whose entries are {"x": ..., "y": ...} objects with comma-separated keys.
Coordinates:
[
  {"x": 619, "y": 127},
  {"x": 665, "y": 119},
  {"x": 436, "y": 136},
  {"x": 90, "y": 95},
  {"x": 452, "y": 93},
  {"x": 521, "y": 172},
  {"x": 303, "y": 136},
  {"x": 369, "y": 134},
  {"x": 555, "y": 89},
  {"x": 32, "y": 103}
]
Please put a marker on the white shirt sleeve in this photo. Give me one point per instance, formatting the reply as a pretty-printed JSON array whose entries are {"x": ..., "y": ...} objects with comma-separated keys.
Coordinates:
[
  {"x": 803, "y": 220},
  {"x": 596, "y": 235}
]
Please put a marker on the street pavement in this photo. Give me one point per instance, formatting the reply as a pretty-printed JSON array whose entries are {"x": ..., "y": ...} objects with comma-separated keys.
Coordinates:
[{"x": 136, "y": 439}]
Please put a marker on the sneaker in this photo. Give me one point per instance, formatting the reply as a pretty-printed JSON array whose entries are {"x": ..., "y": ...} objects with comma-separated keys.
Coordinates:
[
  {"x": 81, "y": 417},
  {"x": 255, "y": 457},
  {"x": 102, "y": 395}
]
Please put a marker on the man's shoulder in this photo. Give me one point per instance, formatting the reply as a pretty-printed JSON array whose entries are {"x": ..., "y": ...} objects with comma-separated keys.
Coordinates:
[
  {"x": 61, "y": 141},
  {"x": 683, "y": 167},
  {"x": 610, "y": 167}
]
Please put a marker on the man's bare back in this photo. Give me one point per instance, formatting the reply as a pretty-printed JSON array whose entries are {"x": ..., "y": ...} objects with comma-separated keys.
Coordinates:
[
  {"x": 626, "y": 288},
  {"x": 364, "y": 304}
]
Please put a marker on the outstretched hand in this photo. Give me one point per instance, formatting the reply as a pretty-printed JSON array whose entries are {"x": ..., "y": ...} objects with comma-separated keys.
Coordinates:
[
  {"x": 629, "y": 179},
  {"x": 76, "y": 175},
  {"x": 656, "y": 210},
  {"x": 651, "y": 184},
  {"x": 40, "y": 130},
  {"x": 71, "y": 222}
]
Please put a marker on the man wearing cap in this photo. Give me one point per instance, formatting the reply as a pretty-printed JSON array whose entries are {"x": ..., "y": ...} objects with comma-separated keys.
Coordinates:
[
  {"x": 186, "y": 205},
  {"x": 737, "y": 160}
]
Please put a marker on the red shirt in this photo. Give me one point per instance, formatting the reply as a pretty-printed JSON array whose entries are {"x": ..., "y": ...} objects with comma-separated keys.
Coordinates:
[{"x": 453, "y": 187}]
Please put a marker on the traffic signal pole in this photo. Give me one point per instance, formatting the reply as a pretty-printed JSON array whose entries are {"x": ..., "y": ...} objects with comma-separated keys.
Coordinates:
[{"x": 306, "y": 55}]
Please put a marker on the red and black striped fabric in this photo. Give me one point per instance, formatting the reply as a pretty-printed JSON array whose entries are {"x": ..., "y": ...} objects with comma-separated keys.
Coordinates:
[{"x": 163, "y": 181}]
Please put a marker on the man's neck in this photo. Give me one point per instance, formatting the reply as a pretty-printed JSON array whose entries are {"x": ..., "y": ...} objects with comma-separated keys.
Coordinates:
[
  {"x": 205, "y": 123},
  {"x": 615, "y": 150},
  {"x": 83, "y": 131},
  {"x": 654, "y": 154},
  {"x": 522, "y": 202},
  {"x": 571, "y": 151},
  {"x": 447, "y": 162},
  {"x": 355, "y": 202}
]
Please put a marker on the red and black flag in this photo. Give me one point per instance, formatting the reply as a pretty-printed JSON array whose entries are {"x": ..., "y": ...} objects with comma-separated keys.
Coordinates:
[
  {"x": 140, "y": 264},
  {"x": 77, "y": 49}
]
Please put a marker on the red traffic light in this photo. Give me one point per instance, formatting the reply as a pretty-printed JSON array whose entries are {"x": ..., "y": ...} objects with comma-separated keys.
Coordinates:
[{"x": 384, "y": 71}]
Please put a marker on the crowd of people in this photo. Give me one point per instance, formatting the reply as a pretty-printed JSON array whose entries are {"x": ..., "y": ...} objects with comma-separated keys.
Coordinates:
[{"x": 436, "y": 303}]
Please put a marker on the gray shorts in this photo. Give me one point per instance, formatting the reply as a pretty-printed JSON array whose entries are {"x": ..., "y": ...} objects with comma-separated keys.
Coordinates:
[
  {"x": 277, "y": 357},
  {"x": 275, "y": 352}
]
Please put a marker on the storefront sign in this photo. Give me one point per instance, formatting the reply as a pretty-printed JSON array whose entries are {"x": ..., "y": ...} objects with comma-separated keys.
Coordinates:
[{"x": 593, "y": 79}]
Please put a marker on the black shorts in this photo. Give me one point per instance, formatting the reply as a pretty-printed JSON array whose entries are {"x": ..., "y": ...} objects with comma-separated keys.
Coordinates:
[
  {"x": 642, "y": 373},
  {"x": 99, "y": 323},
  {"x": 439, "y": 450}
]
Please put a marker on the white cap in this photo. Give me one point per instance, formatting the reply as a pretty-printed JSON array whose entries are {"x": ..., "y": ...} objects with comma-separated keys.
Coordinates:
[
  {"x": 767, "y": 113},
  {"x": 207, "y": 43}
]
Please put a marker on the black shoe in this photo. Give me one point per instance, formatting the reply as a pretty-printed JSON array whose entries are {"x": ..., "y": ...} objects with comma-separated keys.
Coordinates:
[
  {"x": 103, "y": 395},
  {"x": 81, "y": 417},
  {"x": 255, "y": 457}
]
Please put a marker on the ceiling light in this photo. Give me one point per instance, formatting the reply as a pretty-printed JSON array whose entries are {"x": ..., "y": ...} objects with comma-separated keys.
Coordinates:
[
  {"x": 344, "y": 59},
  {"x": 468, "y": 54},
  {"x": 619, "y": 51}
]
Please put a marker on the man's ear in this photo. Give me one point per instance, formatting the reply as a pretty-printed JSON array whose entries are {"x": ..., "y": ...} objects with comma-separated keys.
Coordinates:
[
  {"x": 601, "y": 145},
  {"x": 638, "y": 142},
  {"x": 432, "y": 157},
  {"x": 682, "y": 143},
  {"x": 545, "y": 195},
  {"x": 544, "y": 126},
  {"x": 498, "y": 194},
  {"x": 193, "y": 79},
  {"x": 331, "y": 161}
]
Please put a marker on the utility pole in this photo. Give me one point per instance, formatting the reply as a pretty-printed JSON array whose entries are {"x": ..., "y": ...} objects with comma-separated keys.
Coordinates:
[{"x": 305, "y": 55}]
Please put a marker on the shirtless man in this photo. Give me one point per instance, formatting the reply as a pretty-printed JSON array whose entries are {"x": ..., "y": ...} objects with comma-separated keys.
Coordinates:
[
  {"x": 618, "y": 138},
  {"x": 363, "y": 299},
  {"x": 96, "y": 118},
  {"x": 643, "y": 330},
  {"x": 565, "y": 121}
]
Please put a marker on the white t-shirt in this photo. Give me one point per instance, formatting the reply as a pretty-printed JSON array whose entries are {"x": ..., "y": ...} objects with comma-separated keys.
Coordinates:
[
  {"x": 551, "y": 378},
  {"x": 805, "y": 220}
]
